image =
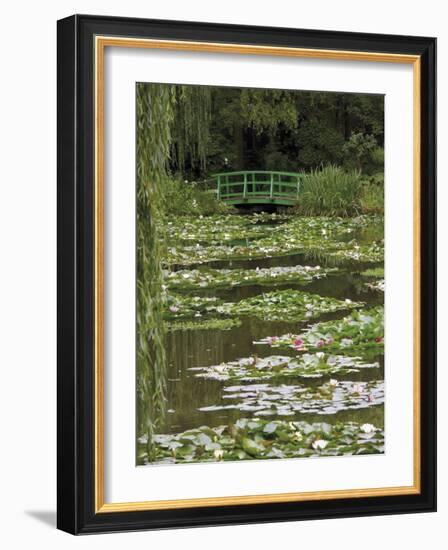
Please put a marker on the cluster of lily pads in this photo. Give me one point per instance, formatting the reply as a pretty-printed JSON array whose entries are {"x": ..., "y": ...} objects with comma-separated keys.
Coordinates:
[
  {"x": 358, "y": 333},
  {"x": 257, "y": 438},
  {"x": 295, "y": 235},
  {"x": 226, "y": 227},
  {"x": 307, "y": 365},
  {"x": 216, "y": 229},
  {"x": 204, "y": 324},
  {"x": 293, "y": 305},
  {"x": 271, "y": 306},
  {"x": 285, "y": 400},
  {"x": 275, "y": 245},
  {"x": 373, "y": 252},
  {"x": 189, "y": 279}
]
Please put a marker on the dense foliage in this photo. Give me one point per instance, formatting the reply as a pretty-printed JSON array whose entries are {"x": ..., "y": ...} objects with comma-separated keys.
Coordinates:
[{"x": 290, "y": 130}]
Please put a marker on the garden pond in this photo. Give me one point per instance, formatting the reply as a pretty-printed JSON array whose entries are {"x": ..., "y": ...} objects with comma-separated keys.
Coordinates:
[{"x": 275, "y": 338}]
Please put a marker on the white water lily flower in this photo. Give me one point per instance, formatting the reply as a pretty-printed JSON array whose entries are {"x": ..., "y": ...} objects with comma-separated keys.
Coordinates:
[
  {"x": 348, "y": 301},
  {"x": 333, "y": 382},
  {"x": 320, "y": 354},
  {"x": 319, "y": 444},
  {"x": 218, "y": 454},
  {"x": 368, "y": 428},
  {"x": 345, "y": 342}
]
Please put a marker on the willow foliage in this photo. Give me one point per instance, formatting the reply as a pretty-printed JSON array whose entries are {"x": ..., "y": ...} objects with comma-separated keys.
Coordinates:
[
  {"x": 169, "y": 119},
  {"x": 191, "y": 128},
  {"x": 266, "y": 110}
]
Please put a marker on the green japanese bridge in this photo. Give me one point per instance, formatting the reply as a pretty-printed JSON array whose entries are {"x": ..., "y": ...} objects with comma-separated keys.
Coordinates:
[{"x": 258, "y": 188}]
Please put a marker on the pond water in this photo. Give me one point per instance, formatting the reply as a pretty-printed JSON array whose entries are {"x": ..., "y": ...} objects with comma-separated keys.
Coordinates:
[{"x": 197, "y": 401}]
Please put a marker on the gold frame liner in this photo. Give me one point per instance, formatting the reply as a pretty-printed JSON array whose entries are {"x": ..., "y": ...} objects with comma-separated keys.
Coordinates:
[{"x": 101, "y": 42}]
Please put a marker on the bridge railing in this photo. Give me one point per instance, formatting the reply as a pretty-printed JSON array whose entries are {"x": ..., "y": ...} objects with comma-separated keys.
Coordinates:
[{"x": 258, "y": 184}]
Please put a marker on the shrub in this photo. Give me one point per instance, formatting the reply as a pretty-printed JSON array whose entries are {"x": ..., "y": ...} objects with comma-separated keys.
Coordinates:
[
  {"x": 330, "y": 192},
  {"x": 186, "y": 198},
  {"x": 374, "y": 179},
  {"x": 372, "y": 198},
  {"x": 377, "y": 158}
]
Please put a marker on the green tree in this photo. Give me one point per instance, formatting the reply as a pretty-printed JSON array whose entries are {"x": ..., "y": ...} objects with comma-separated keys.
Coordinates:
[{"x": 359, "y": 149}]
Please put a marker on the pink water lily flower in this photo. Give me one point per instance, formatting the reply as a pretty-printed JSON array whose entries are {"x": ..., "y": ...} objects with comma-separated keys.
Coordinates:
[
  {"x": 320, "y": 343},
  {"x": 174, "y": 309},
  {"x": 329, "y": 340},
  {"x": 298, "y": 343}
]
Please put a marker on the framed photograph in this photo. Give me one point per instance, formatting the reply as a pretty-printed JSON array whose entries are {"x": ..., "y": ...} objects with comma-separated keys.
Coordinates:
[{"x": 246, "y": 274}]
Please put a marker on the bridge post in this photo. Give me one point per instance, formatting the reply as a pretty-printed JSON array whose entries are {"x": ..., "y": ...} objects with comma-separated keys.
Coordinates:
[
  {"x": 271, "y": 194},
  {"x": 245, "y": 186},
  {"x": 218, "y": 181}
]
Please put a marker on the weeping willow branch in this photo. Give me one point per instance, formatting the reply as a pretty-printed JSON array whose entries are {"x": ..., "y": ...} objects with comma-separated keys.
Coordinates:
[
  {"x": 154, "y": 120},
  {"x": 191, "y": 129},
  {"x": 167, "y": 115}
]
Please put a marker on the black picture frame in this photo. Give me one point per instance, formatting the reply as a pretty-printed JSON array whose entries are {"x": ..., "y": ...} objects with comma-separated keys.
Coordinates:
[{"x": 76, "y": 254}]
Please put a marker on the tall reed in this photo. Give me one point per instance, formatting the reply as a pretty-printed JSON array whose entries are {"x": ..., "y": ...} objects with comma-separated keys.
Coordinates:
[{"x": 330, "y": 191}]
